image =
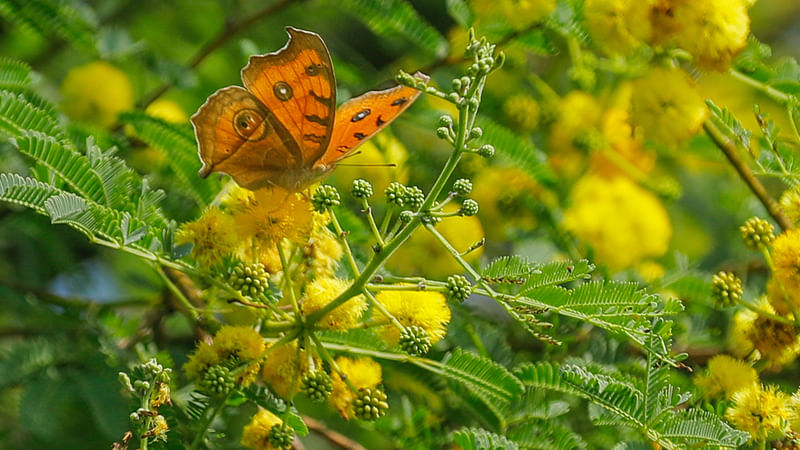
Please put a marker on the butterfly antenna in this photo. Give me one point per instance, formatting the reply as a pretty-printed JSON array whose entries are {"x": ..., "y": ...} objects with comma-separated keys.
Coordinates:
[{"x": 357, "y": 152}]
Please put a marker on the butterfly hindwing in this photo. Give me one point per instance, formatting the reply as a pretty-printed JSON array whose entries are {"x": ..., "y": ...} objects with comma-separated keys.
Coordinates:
[
  {"x": 296, "y": 84},
  {"x": 237, "y": 135},
  {"x": 360, "y": 118}
]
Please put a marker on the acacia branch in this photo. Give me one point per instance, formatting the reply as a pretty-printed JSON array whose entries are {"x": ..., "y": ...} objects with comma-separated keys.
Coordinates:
[
  {"x": 335, "y": 438},
  {"x": 729, "y": 149}
]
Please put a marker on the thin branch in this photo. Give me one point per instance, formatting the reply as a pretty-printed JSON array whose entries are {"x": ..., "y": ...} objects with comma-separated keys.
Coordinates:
[
  {"x": 729, "y": 149},
  {"x": 229, "y": 31},
  {"x": 335, "y": 438}
]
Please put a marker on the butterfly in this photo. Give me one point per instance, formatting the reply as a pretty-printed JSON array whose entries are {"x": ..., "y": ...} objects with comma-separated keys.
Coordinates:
[{"x": 283, "y": 128}]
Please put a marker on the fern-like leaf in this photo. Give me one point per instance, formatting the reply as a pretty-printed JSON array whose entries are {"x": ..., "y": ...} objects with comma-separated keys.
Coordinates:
[
  {"x": 556, "y": 273},
  {"x": 14, "y": 75},
  {"x": 18, "y": 114},
  {"x": 26, "y": 191},
  {"x": 694, "y": 427},
  {"x": 480, "y": 439},
  {"x": 508, "y": 269},
  {"x": 482, "y": 374},
  {"x": 543, "y": 375},
  {"x": 730, "y": 125},
  {"x": 614, "y": 395},
  {"x": 48, "y": 17},
  {"x": 545, "y": 435}
]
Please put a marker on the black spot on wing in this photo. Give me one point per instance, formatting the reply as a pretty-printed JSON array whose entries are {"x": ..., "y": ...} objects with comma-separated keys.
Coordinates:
[
  {"x": 315, "y": 138},
  {"x": 282, "y": 91},
  {"x": 317, "y": 119},
  {"x": 313, "y": 69},
  {"x": 380, "y": 121},
  {"x": 361, "y": 115},
  {"x": 324, "y": 100},
  {"x": 399, "y": 101},
  {"x": 359, "y": 136}
]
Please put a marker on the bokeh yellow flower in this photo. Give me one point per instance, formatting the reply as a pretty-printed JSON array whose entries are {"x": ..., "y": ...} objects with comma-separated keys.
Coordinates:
[
  {"x": 522, "y": 112},
  {"x": 618, "y": 27},
  {"x": 786, "y": 261},
  {"x": 256, "y": 433},
  {"x": 623, "y": 223},
  {"x": 424, "y": 255},
  {"x": 167, "y": 110},
  {"x": 725, "y": 376},
  {"x": 777, "y": 342},
  {"x": 212, "y": 237},
  {"x": 759, "y": 410},
  {"x": 425, "y": 309},
  {"x": 712, "y": 31},
  {"x": 578, "y": 117},
  {"x": 790, "y": 204},
  {"x": 370, "y": 164},
  {"x": 96, "y": 92},
  {"x": 362, "y": 373},
  {"x": 323, "y": 250},
  {"x": 505, "y": 196},
  {"x": 321, "y": 291},
  {"x": 232, "y": 345},
  {"x": 667, "y": 106},
  {"x": 274, "y": 214},
  {"x": 523, "y": 13},
  {"x": 282, "y": 368}
]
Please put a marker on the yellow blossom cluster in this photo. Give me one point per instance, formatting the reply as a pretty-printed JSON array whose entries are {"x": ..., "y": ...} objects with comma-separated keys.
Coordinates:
[
  {"x": 619, "y": 26},
  {"x": 725, "y": 376},
  {"x": 623, "y": 223},
  {"x": 284, "y": 366},
  {"x": 776, "y": 341},
  {"x": 321, "y": 291},
  {"x": 96, "y": 93},
  {"x": 256, "y": 433},
  {"x": 360, "y": 373},
  {"x": 425, "y": 309},
  {"x": 759, "y": 410},
  {"x": 231, "y": 345}
]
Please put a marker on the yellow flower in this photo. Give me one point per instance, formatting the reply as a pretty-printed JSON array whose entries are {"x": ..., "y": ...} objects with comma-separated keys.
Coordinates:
[
  {"x": 790, "y": 204},
  {"x": 211, "y": 235},
  {"x": 425, "y": 309},
  {"x": 794, "y": 413},
  {"x": 167, "y": 110},
  {"x": 623, "y": 223},
  {"x": 776, "y": 342},
  {"x": 523, "y": 13},
  {"x": 777, "y": 296},
  {"x": 579, "y": 116},
  {"x": 320, "y": 292},
  {"x": 370, "y": 164},
  {"x": 786, "y": 260},
  {"x": 713, "y": 31},
  {"x": 505, "y": 195},
  {"x": 650, "y": 271},
  {"x": 323, "y": 249},
  {"x": 256, "y": 433},
  {"x": 623, "y": 152},
  {"x": 96, "y": 92},
  {"x": 759, "y": 410},
  {"x": 522, "y": 111},
  {"x": 725, "y": 376},
  {"x": 362, "y": 373},
  {"x": 242, "y": 342},
  {"x": 618, "y": 26},
  {"x": 159, "y": 430},
  {"x": 273, "y": 214},
  {"x": 423, "y": 254},
  {"x": 667, "y": 106},
  {"x": 281, "y": 368},
  {"x": 204, "y": 357}
]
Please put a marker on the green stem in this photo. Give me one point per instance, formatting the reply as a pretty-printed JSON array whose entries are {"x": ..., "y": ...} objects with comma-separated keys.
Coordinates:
[
  {"x": 207, "y": 422},
  {"x": 288, "y": 281},
  {"x": 379, "y": 306},
  {"x": 190, "y": 309},
  {"x": 371, "y": 220},
  {"x": 766, "y": 314},
  {"x": 770, "y": 91},
  {"x": 341, "y": 235}
]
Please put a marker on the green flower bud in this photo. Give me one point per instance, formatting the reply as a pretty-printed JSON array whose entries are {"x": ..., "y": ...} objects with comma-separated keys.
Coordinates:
[
  {"x": 370, "y": 404},
  {"x": 325, "y": 197},
  {"x": 407, "y": 216},
  {"x": 361, "y": 188},
  {"x": 468, "y": 208},
  {"x": 445, "y": 121},
  {"x": 456, "y": 84},
  {"x": 486, "y": 150},
  {"x": 458, "y": 288},
  {"x": 217, "y": 380},
  {"x": 395, "y": 193},
  {"x": 134, "y": 417},
  {"x": 726, "y": 289},
  {"x": 757, "y": 233},
  {"x": 453, "y": 97},
  {"x": 281, "y": 436},
  {"x": 462, "y": 187},
  {"x": 250, "y": 279},
  {"x": 126, "y": 381},
  {"x": 443, "y": 132},
  {"x": 414, "y": 197},
  {"x": 429, "y": 218},
  {"x": 317, "y": 385},
  {"x": 415, "y": 341},
  {"x": 475, "y": 133}
]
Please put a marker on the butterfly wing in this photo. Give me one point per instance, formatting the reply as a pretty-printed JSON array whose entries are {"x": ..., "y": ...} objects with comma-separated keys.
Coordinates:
[
  {"x": 296, "y": 84},
  {"x": 360, "y": 118},
  {"x": 238, "y": 135}
]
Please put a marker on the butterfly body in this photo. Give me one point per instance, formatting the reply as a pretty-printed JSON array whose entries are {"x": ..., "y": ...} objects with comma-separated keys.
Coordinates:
[{"x": 283, "y": 129}]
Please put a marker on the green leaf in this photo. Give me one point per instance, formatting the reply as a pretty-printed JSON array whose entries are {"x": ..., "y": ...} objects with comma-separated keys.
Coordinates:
[
  {"x": 18, "y": 114},
  {"x": 543, "y": 375},
  {"x": 482, "y": 375},
  {"x": 14, "y": 75},
  {"x": 730, "y": 125},
  {"x": 178, "y": 143},
  {"x": 390, "y": 18},
  {"x": 26, "y": 191},
  {"x": 53, "y": 17},
  {"x": 619, "y": 397},
  {"x": 24, "y": 359},
  {"x": 508, "y": 269},
  {"x": 461, "y": 12},
  {"x": 359, "y": 338},
  {"x": 479, "y": 439},
  {"x": 694, "y": 427},
  {"x": 517, "y": 150},
  {"x": 545, "y": 435},
  {"x": 558, "y": 272}
]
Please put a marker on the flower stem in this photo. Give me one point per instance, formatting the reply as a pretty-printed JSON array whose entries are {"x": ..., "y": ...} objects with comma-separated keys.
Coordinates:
[
  {"x": 342, "y": 237},
  {"x": 207, "y": 422},
  {"x": 288, "y": 281},
  {"x": 371, "y": 220}
]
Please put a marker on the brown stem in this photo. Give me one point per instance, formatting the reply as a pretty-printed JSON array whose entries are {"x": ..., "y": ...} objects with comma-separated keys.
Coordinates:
[
  {"x": 227, "y": 32},
  {"x": 729, "y": 149},
  {"x": 335, "y": 438}
]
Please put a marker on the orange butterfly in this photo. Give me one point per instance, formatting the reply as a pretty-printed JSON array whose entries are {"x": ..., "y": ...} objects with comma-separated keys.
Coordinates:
[{"x": 282, "y": 129}]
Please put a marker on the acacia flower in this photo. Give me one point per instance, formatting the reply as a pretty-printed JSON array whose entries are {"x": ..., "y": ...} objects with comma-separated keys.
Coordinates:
[
  {"x": 363, "y": 373},
  {"x": 425, "y": 309},
  {"x": 759, "y": 410},
  {"x": 320, "y": 292},
  {"x": 618, "y": 26},
  {"x": 233, "y": 345},
  {"x": 776, "y": 342},
  {"x": 256, "y": 433},
  {"x": 725, "y": 376},
  {"x": 210, "y": 235},
  {"x": 786, "y": 260},
  {"x": 96, "y": 92},
  {"x": 273, "y": 214},
  {"x": 281, "y": 368}
]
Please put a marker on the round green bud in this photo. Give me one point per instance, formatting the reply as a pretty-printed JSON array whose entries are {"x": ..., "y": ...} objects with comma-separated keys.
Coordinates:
[
  {"x": 414, "y": 197},
  {"x": 407, "y": 216},
  {"x": 475, "y": 133},
  {"x": 486, "y": 150},
  {"x": 757, "y": 233},
  {"x": 217, "y": 380},
  {"x": 134, "y": 417},
  {"x": 395, "y": 193},
  {"x": 458, "y": 288},
  {"x": 325, "y": 197},
  {"x": 317, "y": 385},
  {"x": 141, "y": 385},
  {"x": 457, "y": 84},
  {"x": 726, "y": 289},
  {"x": 281, "y": 436},
  {"x": 429, "y": 218},
  {"x": 370, "y": 404},
  {"x": 454, "y": 97},
  {"x": 415, "y": 341},
  {"x": 250, "y": 279},
  {"x": 361, "y": 188},
  {"x": 462, "y": 187},
  {"x": 445, "y": 121},
  {"x": 468, "y": 208},
  {"x": 443, "y": 132}
]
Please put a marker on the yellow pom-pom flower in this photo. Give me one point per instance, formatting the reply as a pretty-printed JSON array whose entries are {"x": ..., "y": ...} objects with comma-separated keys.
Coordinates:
[
  {"x": 211, "y": 235},
  {"x": 425, "y": 309},
  {"x": 256, "y": 433},
  {"x": 523, "y": 13},
  {"x": 271, "y": 215},
  {"x": 786, "y": 261},
  {"x": 96, "y": 92},
  {"x": 203, "y": 357},
  {"x": 281, "y": 368},
  {"x": 618, "y": 26},
  {"x": 504, "y": 195},
  {"x": 522, "y": 111},
  {"x": 725, "y": 376},
  {"x": 712, "y": 31},
  {"x": 323, "y": 248},
  {"x": 667, "y": 106},
  {"x": 776, "y": 342},
  {"x": 759, "y": 410},
  {"x": 167, "y": 110},
  {"x": 362, "y": 373},
  {"x": 623, "y": 223},
  {"x": 231, "y": 343},
  {"x": 790, "y": 204},
  {"x": 320, "y": 292},
  {"x": 579, "y": 116}
]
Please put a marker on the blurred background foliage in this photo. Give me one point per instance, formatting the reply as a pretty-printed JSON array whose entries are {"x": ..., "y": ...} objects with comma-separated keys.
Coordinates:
[{"x": 74, "y": 314}]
